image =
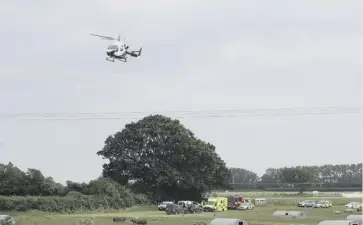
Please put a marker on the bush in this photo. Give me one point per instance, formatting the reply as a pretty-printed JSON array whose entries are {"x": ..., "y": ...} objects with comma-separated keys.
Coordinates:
[
  {"x": 139, "y": 221},
  {"x": 86, "y": 221},
  {"x": 72, "y": 202}
]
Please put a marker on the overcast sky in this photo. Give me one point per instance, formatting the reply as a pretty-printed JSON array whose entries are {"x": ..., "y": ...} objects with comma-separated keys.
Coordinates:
[{"x": 196, "y": 55}]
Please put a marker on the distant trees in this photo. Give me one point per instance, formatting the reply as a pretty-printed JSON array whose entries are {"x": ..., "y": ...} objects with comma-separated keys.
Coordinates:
[
  {"x": 249, "y": 178},
  {"x": 13, "y": 181},
  {"x": 299, "y": 177},
  {"x": 342, "y": 177}
]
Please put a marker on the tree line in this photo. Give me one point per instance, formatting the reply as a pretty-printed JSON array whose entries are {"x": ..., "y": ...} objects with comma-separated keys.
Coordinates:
[
  {"x": 13, "y": 181},
  {"x": 156, "y": 158},
  {"x": 341, "y": 177}
]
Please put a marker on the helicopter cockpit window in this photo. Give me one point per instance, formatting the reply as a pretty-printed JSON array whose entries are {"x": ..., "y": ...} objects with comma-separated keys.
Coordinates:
[{"x": 112, "y": 47}]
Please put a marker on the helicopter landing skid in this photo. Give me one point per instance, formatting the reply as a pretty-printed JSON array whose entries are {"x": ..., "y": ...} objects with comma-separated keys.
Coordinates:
[
  {"x": 122, "y": 59},
  {"x": 110, "y": 59}
]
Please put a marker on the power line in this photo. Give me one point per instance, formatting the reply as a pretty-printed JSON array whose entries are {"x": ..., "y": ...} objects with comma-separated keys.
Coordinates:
[{"x": 181, "y": 114}]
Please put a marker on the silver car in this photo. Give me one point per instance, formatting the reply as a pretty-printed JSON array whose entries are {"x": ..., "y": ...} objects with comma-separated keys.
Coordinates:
[
  {"x": 306, "y": 203},
  {"x": 162, "y": 206}
]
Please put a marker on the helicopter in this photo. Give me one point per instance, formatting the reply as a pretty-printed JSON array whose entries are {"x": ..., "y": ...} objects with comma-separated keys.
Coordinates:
[{"x": 118, "y": 50}]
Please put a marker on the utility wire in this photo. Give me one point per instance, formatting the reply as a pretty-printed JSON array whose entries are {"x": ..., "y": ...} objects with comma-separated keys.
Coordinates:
[{"x": 181, "y": 114}]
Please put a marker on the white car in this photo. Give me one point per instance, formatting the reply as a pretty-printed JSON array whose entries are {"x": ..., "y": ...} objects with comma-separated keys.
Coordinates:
[
  {"x": 186, "y": 203},
  {"x": 162, "y": 206},
  {"x": 246, "y": 206},
  {"x": 353, "y": 205}
]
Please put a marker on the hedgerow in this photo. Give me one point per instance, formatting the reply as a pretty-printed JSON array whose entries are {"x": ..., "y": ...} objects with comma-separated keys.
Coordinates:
[{"x": 73, "y": 202}]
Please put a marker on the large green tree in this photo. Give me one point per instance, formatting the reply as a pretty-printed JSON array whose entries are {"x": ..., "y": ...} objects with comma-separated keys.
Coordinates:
[{"x": 159, "y": 156}]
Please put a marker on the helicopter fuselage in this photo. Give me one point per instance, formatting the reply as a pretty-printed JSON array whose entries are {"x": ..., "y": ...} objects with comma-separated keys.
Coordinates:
[
  {"x": 116, "y": 51},
  {"x": 120, "y": 52}
]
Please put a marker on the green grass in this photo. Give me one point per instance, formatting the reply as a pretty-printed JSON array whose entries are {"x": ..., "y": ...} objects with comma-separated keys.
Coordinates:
[{"x": 260, "y": 215}]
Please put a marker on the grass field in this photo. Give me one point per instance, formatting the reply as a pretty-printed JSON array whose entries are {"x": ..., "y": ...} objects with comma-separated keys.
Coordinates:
[{"x": 260, "y": 215}]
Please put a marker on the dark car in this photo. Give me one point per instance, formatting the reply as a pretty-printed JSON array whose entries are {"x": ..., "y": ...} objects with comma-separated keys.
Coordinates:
[
  {"x": 193, "y": 208},
  {"x": 306, "y": 203},
  {"x": 174, "y": 209},
  {"x": 234, "y": 202},
  {"x": 231, "y": 205}
]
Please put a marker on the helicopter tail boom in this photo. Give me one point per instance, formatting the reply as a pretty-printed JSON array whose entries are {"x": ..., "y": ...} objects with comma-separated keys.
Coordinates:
[{"x": 135, "y": 53}]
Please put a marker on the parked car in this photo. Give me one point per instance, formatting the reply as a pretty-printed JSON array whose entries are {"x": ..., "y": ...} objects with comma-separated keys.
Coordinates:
[
  {"x": 193, "y": 208},
  {"x": 261, "y": 201},
  {"x": 187, "y": 203},
  {"x": 234, "y": 201},
  {"x": 174, "y": 209},
  {"x": 322, "y": 204},
  {"x": 353, "y": 205},
  {"x": 163, "y": 205},
  {"x": 231, "y": 205},
  {"x": 306, "y": 203},
  {"x": 246, "y": 206}
]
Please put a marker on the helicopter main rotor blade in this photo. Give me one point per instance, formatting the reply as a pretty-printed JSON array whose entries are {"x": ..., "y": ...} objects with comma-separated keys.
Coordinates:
[{"x": 103, "y": 37}]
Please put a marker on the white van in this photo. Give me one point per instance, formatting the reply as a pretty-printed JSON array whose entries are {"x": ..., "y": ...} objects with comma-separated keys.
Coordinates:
[{"x": 260, "y": 201}]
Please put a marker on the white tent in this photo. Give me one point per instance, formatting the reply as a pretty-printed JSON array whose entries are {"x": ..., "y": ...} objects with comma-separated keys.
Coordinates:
[
  {"x": 223, "y": 221},
  {"x": 290, "y": 214},
  {"x": 3, "y": 217},
  {"x": 355, "y": 217},
  {"x": 340, "y": 222}
]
